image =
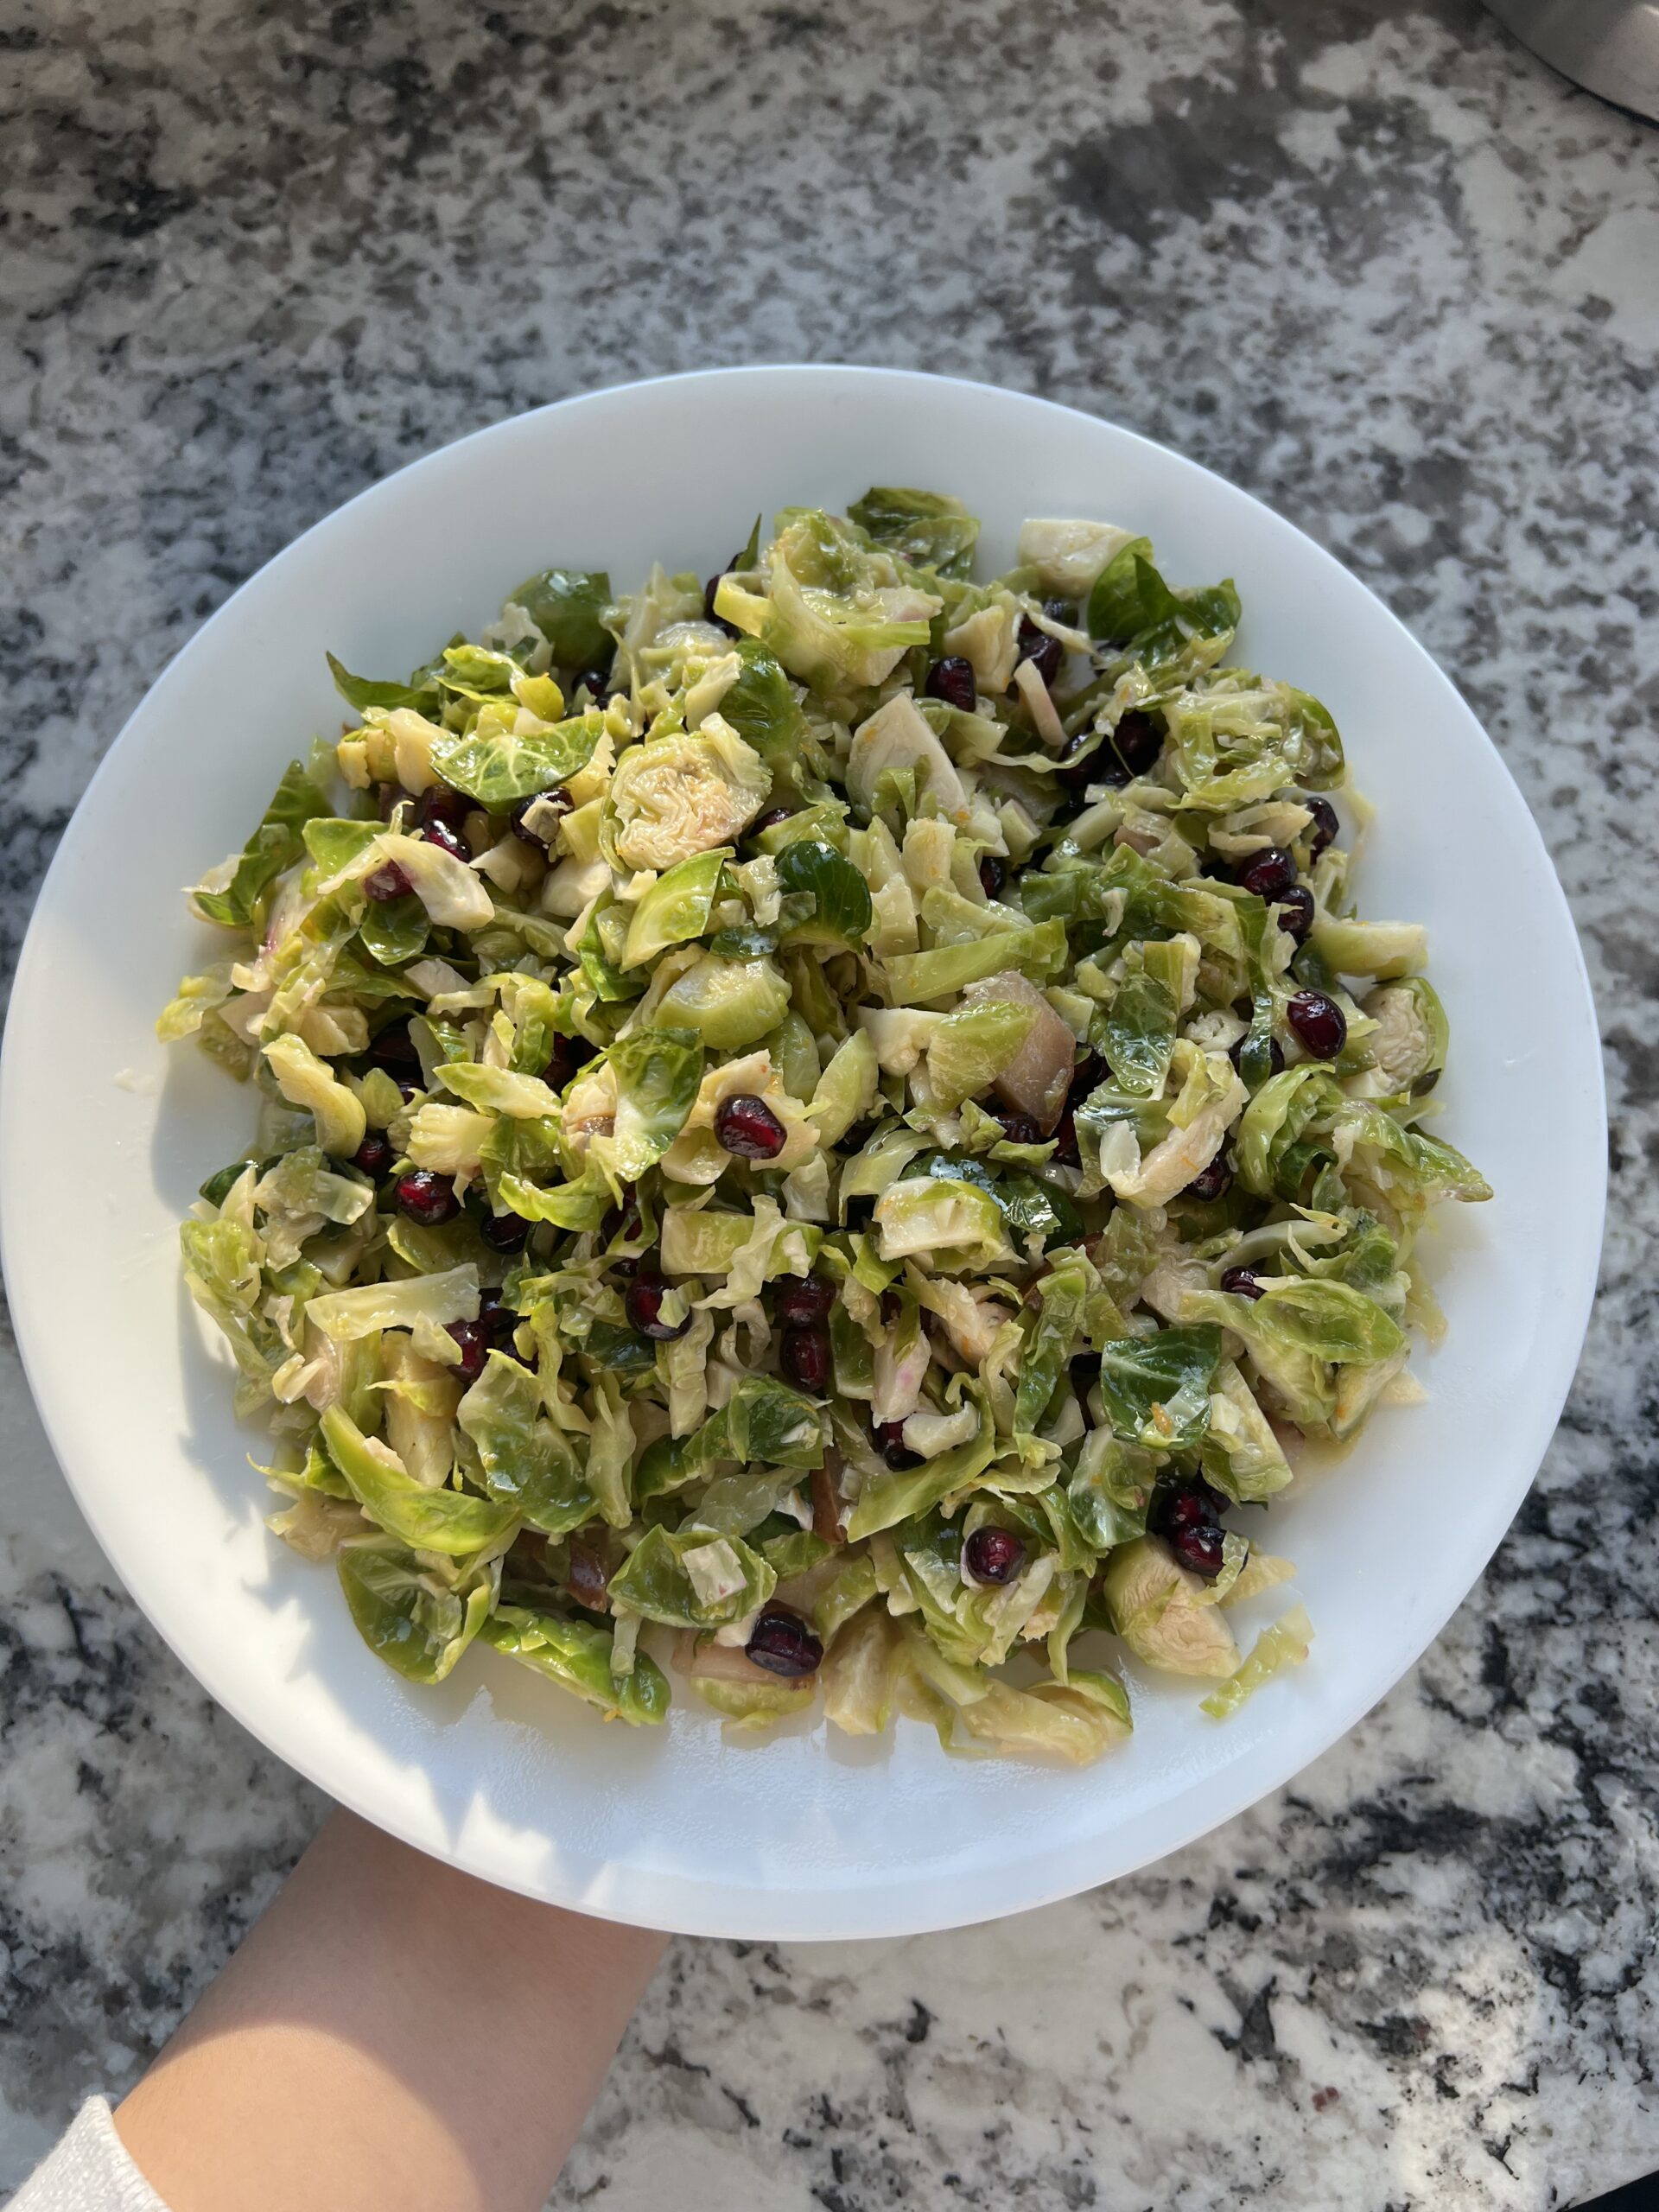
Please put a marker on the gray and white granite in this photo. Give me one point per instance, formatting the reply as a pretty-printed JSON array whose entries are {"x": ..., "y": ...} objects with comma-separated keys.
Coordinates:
[{"x": 1365, "y": 257}]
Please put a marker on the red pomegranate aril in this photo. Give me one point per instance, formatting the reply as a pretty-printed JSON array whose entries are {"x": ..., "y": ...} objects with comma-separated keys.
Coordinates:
[
  {"x": 504, "y": 1232},
  {"x": 993, "y": 874},
  {"x": 373, "y": 1155},
  {"x": 474, "y": 1348},
  {"x": 1065, "y": 1153},
  {"x": 952, "y": 680},
  {"x": 994, "y": 1555},
  {"x": 709, "y": 591},
  {"x": 1326, "y": 830},
  {"x": 783, "y": 1643},
  {"x": 439, "y": 804},
  {"x": 769, "y": 820},
  {"x": 1268, "y": 874},
  {"x": 568, "y": 1054},
  {"x": 804, "y": 1355},
  {"x": 427, "y": 1198},
  {"x": 497, "y": 1320},
  {"x": 644, "y": 1306},
  {"x": 803, "y": 1300},
  {"x": 1138, "y": 741},
  {"x": 1087, "y": 1075},
  {"x": 453, "y": 841},
  {"x": 1084, "y": 1373},
  {"x": 1044, "y": 653},
  {"x": 1212, "y": 1182},
  {"x": 1018, "y": 1127},
  {"x": 1101, "y": 766},
  {"x": 1189, "y": 1517},
  {"x": 385, "y": 883},
  {"x": 890, "y": 1442},
  {"x": 394, "y": 1047},
  {"x": 1199, "y": 1548},
  {"x": 747, "y": 1126},
  {"x": 1320, "y": 1022},
  {"x": 1240, "y": 1283},
  {"x": 1293, "y": 912},
  {"x": 588, "y": 1579},
  {"x": 560, "y": 803},
  {"x": 441, "y": 816}
]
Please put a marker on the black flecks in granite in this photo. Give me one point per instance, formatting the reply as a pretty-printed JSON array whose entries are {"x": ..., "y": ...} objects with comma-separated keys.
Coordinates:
[{"x": 1366, "y": 258}]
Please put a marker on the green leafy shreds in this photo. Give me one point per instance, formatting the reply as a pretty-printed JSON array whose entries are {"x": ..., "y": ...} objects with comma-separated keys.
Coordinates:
[{"x": 866, "y": 1177}]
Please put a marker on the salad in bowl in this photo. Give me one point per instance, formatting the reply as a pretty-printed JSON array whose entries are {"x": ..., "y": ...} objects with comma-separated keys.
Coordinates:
[{"x": 832, "y": 1131}]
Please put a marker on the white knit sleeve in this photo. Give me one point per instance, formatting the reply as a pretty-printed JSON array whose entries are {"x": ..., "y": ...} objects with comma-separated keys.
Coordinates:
[{"x": 89, "y": 2172}]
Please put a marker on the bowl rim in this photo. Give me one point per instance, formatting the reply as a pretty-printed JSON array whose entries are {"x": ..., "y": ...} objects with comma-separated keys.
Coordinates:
[{"x": 914, "y": 1904}]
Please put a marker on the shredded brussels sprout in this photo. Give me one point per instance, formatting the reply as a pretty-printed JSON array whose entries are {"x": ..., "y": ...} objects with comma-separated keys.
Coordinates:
[{"x": 829, "y": 1125}]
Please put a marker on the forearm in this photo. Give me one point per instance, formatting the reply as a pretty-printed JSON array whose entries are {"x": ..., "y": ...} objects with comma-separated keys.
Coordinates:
[{"x": 393, "y": 2032}]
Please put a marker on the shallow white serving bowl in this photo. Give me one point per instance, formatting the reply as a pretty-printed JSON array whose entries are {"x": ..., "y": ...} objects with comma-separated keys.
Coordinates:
[{"x": 104, "y": 1137}]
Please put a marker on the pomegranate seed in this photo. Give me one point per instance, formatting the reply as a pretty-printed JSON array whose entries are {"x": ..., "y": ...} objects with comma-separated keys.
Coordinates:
[
  {"x": 804, "y": 1355},
  {"x": 1326, "y": 827},
  {"x": 1293, "y": 912},
  {"x": 952, "y": 680},
  {"x": 769, "y": 820},
  {"x": 373, "y": 1155},
  {"x": 497, "y": 1320},
  {"x": 1320, "y": 1022},
  {"x": 597, "y": 681},
  {"x": 890, "y": 1442},
  {"x": 1044, "y": 653},
  {"x": 439, "y": 804},
  {"x": 1017, "y": 1128},
  {"x": 504, "y": 1232},
  {"x": 453, "y": 841},
  {"x": 622, "y": 1225},
  {"x": 782, "y": 1643},
  {"x": 568, "y": 1054},
  {"x": 1130, "y": 751},
  {"x": 709, "y": 591},
  {"x": 1239, "y": 1282},
  {"x": 1138, "y": 741},
  {"x": 1199, "y": 1549},
  {"x": 474, "y": 1348},
  {"x": 1190, "y": 1517},
  {"x": 1275, "y": 1053},
  {"x": 993, "y": 874},
  {"x": 394, "y": 1047},
  {"x": 1065, "y": 1153},
  {"x": 644, "y": 1303},
  {"x": 385, "y": 883},
  {"x": 1087, "y": 1075},
  {"x": 558, "y": 799},
  {"x": 803, "y": 1300},
  {"x": 1268, "y": 874},
  {"x": 1213, "y": 1182},
  {"x": 440, "y": 815},
  {"x": 589, "y": 1584},
  {"x": 1084, "y": 1371},
  {"x": 427, "y": 1198},
  {"x": 994, "y": 1555},
  {"x": 746, "y": 1126}
]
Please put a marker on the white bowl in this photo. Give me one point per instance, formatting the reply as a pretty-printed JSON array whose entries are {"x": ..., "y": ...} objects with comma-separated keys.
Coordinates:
[{"x": 106, "y": 1137}]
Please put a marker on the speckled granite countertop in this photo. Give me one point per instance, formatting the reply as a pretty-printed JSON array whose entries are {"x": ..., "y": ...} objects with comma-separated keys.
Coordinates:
[{"x": 1370, "y": 260}]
